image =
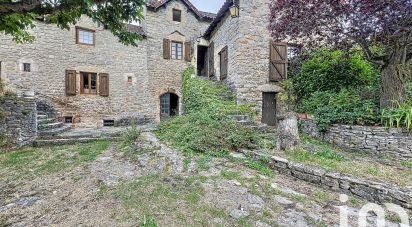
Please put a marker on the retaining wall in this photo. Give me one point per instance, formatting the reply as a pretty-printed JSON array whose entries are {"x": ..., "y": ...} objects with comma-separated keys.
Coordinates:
[
  {"x": 18, "y": 120},
  {"x": 369, "y": 190},
  {"x": 375, "y": 140}
]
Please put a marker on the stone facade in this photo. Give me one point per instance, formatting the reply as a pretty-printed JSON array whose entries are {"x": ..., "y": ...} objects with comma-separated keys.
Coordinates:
[
  {"x": 247, "y": 39},
  {"x": 369, "y": 190},
  {"x": 137, "y": 75},
  {"x": 18, "y": 120},
  {"x": 373, "y": 140}
]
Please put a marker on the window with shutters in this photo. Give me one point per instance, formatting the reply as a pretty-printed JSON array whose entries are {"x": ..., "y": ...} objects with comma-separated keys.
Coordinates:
[
  {"x": 278, "y": 61},
  {"x": 223, "y": 63},
  {"x": 85, "y": 36},
  {"x": 177, "y": 15},
  {"x": 177, "y": 50},
  {"x": 88, "y": 83}
]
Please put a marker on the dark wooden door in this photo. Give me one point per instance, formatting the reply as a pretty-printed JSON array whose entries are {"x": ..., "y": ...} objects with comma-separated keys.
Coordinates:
[{"x": 269, "y": 108}]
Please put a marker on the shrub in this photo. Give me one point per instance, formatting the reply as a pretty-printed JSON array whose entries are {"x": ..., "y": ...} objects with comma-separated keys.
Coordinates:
[
  {"x": 130, "y": 137},
  {"x": 400, "y": 117},
  {"x": 346, "y": 107},
  {"x": 206, "y": 126},
  {"x": 327, "y": 70}
]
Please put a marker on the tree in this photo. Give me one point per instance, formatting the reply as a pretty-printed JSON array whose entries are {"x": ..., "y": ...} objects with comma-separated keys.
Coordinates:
[
  {"x": 381, "y": 28},
  {"x": 18, "y": 17}
]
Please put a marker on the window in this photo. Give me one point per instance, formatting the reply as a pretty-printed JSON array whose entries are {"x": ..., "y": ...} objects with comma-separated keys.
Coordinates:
[
  {"x": 177, "y": 15},
  {"x": 68, "y": 119},
  {"x": 85, "y": 36},
  {"x": 129, "y": 79},
  {"x": 108, "y": 123},
  {"x": 88, "y": 83},
  {"x": 177, "y": 50},
  {"x": 26, "y": 67}
]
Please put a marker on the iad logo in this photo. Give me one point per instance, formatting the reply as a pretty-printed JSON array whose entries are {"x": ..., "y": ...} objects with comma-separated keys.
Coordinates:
[{"x": 376, "y": 209}]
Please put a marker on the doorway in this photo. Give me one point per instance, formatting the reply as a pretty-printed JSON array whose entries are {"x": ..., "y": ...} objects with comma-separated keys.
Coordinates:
[
  {"x": 269, "y": 108},
  {"x": 202, "y": 60},
  {"x": 169, "y": 105}
]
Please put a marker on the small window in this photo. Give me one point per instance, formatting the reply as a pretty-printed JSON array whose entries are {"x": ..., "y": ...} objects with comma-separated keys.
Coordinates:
[
  {"x": 85, "y": 36},
  {"x": 177, "y": 50},
  {"x": 108, "y": 123},
  {"x": 68, "y": 119},
  {"x": 88, "y": 83},
  {"x": 177, "y": 15},
  {"x": 26, "y": 67},
  {"x": 129, "y": 79}
]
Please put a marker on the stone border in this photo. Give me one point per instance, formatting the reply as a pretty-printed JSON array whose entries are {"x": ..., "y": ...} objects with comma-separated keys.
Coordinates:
[{"x": 366, "y": 189}]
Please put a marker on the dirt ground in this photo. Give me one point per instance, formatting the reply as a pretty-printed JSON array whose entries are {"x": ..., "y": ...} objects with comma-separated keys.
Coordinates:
[{"x": 155, "y": 185}]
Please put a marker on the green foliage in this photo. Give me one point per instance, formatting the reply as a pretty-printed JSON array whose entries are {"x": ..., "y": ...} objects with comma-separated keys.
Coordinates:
[
  {"x": 400, "y": 117},
  {"x": 260, "y": 166},
  {"x": 328, "y": 70},
  {"x": 207, "y": 126},
  {"x": 214, "y": 99},
  {"x": 112, "y": 15},
  {"x": 328, "y": 154},
  {"x": 148, "y": 222},
  {"x": 345, "y": 107},
  {"x": 130, "y": 137}
]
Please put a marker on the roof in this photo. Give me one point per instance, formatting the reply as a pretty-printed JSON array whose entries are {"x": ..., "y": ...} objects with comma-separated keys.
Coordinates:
[
  {"x": 220, "y": 16},
  {"x": 136, "y": 29},
  {"x": 156, "y": 4}
]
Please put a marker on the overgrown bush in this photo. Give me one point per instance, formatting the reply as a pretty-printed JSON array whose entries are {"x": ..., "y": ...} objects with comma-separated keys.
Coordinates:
[
  {"x": 346, "y": 107},
  {"x": 327, "y": 70},
  {"x": 206, "y": 126},
  {"x": 400, "y": 117}
]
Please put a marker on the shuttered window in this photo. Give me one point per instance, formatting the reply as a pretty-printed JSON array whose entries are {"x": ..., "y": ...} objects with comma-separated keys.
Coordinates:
[
  {"x": 223, "y": 63},
  {"x": 177, "y": 50},
  {"x": 70, "y": 82},
  {"x": 166, "y": 48},
  {"x": 188, "y": 51},
  {"x": 104, "y": 84},
  {"x": 278, "y": 61}
]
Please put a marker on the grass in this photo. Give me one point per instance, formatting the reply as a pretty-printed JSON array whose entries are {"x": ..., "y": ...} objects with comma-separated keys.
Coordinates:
[
  {"x": 332, "y": 159},
  {"x": 229, "y": 175},
  {"x": 177, "y": 199},
  {"x": 260, "y": 166},
  {"x": 30, "y": 162},
  {"x": 407, "y": 163}
]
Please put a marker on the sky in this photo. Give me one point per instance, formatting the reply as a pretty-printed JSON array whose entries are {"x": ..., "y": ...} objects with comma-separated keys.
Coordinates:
[{"x": 208, "y": 5}]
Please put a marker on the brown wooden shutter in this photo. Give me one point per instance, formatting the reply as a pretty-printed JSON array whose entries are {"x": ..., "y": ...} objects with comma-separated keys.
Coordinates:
[
  {"x": 223, "y": 63},
  {"x": 211, "y": 59},
  {"x": 278, "y": 61},
  {"x": 70, "y": 82},
  {"x": 166, "y": 48},
  {"x": 188, "y": 51},
  {"x": 104, "y": 84}
]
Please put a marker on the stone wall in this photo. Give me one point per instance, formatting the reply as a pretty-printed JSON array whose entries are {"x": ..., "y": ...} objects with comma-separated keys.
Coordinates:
[
  {"x": 18, "y": 120},
  {"x": 374, "y": 140},
  {"x": 247, "y": 38},
  {"x": 165, "y": 75},
  {"x": 369, "y": 190}
]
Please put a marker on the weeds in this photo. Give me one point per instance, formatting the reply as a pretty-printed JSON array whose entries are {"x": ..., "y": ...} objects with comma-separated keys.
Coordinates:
[
  {"x": 261, "y": 167},
  {"x": 130, "y": 137},
  {"x": 229, "y": 175},
  {"x": 148, "y": 222}
]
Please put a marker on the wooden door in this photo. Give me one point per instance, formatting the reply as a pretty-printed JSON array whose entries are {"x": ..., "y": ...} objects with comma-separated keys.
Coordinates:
[{"x": 269, "y": 108}]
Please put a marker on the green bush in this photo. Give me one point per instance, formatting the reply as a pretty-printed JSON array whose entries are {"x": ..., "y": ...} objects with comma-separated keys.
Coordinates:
[
  {"x": 400, "y": 117},
  {"x": 328, "y": 70},
  {"x": 206, "y": 126},
  {"x": 345, "y": 107}
]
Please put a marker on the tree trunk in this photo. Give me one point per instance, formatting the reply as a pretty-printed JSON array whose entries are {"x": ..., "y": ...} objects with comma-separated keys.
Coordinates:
[
  {"x": 393, "y": 81},
  {"x": 288, "y": 133}
]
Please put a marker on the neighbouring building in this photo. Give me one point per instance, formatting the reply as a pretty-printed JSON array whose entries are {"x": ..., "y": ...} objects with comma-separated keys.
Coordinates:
[{"x": 91, "y": 79}]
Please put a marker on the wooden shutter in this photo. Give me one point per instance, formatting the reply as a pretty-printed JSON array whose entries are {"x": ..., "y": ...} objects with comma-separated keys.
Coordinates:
[
  {"x": 278, "y": 61},
  {"x": 166, "y": 48},
  {"x": 104, "y": 84},
  {"x": 188, "y": 51},
  {"x": 211, "y": 59},
  {"x": 223, "y": 63},
  {"x": 70, "y": 82}
]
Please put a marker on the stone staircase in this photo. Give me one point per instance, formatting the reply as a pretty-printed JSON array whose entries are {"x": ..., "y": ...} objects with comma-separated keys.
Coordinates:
[{"x": 48, "y": 126}]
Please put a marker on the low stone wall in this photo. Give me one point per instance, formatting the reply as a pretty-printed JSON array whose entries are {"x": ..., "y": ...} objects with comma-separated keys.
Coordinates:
[
  {"x": 369, "y": 190},
  {"x": 375, "y": 140},
  {"x": 18, "y": 120}
]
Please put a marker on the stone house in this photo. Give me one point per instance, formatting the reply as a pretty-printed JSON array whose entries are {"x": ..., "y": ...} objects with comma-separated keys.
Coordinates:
[{"x": 92, "y": 80}]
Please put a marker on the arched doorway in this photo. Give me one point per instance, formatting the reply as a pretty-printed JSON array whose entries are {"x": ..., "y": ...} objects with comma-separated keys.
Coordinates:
[{"x": 169, "y": 105}]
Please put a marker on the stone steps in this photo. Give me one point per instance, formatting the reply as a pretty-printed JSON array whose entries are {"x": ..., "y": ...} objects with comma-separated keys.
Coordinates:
[
  {"x": 46, "y": 121},
  {"x": 49, "y": 126},
  {"x": 54, "y": 131},
  {"x": 66, "y": 141}
]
